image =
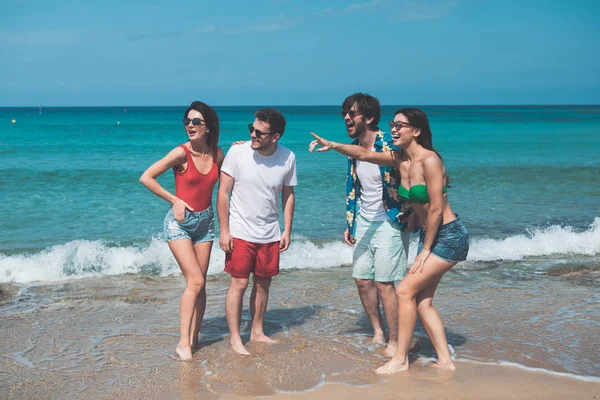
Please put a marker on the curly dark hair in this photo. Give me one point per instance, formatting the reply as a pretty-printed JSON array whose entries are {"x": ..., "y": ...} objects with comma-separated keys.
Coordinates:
[
  {"x": 274, "y": 118},
  {"x": 367, "y": 105}
]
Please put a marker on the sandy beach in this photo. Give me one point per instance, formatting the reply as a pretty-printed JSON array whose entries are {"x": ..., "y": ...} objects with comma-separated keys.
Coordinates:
[
  {"x": 113, "y": 338},
  {"x": 468, "y": 382},
  {"x": 265, "y": 377},
  {"x": 297, "y": 369}
]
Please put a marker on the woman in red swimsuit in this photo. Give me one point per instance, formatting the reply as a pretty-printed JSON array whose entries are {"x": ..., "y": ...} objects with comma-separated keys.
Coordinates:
[{"x": 189, "y": 224}]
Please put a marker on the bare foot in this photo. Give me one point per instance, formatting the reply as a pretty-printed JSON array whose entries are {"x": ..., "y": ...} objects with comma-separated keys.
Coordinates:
[
  {"x": 378, "y": 338},
  {"x": 447, "y": 365},
  {"x": 184, "y": 353},
  {"x": 390, "y": 350},
  {"x": 393, "y": 366},
  {"x": 238, "y": 347},
  {"x": 262, "y": 338}
]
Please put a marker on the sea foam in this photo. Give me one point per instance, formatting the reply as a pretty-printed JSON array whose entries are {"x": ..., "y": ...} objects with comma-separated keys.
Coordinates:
[{"x": 84, "y": 258}]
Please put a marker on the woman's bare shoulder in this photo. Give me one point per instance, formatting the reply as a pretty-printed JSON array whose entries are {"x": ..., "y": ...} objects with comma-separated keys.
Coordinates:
[
  {"x": 431, "y": 157},
  {"x": 178, "y": 151}
]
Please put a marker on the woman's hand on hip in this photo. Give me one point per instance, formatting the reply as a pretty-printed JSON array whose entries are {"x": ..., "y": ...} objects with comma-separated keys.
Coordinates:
[{"x": 179, "y": 207}]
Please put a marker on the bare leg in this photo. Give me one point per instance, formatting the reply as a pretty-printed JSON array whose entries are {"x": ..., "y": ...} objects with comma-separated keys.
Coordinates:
[
  {"x": 197, "y": 322},
  {"x": 203, "y": 251},
  {"x": 434, "y": 327},
  {"x": 387, "y": 294},
  {"x": 407, "y": 292},
  {"x": 370, "y": 302},
  {"x": 233, "y": 312},
  {"x": 186, "y": 258},
  {"x": 258, "y": 306}
]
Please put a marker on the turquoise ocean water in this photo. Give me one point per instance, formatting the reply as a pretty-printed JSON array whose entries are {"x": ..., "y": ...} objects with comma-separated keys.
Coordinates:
[
  {"x": 69, "y": 177},
  {"x": 75, "y": 221}
]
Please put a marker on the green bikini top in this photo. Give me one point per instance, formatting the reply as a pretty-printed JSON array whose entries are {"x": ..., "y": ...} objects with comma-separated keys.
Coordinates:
[{"x": 416, "y": 194}]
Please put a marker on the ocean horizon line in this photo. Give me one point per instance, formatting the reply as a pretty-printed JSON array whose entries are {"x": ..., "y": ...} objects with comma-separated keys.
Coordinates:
[{"x": 309, "y": 105}]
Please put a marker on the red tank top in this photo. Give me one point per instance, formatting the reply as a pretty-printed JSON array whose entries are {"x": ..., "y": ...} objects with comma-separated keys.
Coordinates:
[{"x": 193, "y": 187}]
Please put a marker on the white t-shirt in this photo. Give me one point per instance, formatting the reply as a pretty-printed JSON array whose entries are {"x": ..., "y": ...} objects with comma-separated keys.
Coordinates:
[
  {"x": 371, "y": 191},
  {"x": 259, "y": 180}
]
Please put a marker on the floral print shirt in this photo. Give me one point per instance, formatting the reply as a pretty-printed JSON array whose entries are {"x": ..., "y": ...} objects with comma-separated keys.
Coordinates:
[{"x": 394, "y": 205}]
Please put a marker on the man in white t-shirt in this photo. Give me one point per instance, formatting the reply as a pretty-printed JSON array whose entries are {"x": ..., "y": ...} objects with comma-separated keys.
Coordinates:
[{"x": 255, "y": 174}]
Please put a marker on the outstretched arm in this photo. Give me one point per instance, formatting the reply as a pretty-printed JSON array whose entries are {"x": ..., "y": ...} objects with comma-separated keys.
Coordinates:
[{"x": 353, "y": 151}]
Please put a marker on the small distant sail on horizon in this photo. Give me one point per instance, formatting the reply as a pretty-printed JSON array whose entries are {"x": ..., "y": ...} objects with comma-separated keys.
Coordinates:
[{"x": 40, "y": 108}]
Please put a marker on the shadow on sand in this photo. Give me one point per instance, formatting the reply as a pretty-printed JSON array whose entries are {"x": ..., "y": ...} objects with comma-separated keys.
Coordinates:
[{"x": 278, "y": 320}]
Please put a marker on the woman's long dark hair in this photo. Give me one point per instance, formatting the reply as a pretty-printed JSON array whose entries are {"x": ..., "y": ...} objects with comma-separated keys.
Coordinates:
[
  {"x": 210, "y": 118},
  {"x": 418, "y": 119}
]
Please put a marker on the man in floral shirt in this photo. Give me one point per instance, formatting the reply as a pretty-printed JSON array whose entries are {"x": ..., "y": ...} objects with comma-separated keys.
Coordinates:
[{"x": 374, "y": 213}]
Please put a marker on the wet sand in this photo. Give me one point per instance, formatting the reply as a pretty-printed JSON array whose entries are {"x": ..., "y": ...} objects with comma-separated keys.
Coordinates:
[
  {"x": 263, "y": 376},
  {"x": 113, "y": 337},
  {"x": 470, "y": 381}
]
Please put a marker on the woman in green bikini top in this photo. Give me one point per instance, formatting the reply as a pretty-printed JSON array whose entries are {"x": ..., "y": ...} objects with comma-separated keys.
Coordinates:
[
  {"x": 443, "y": 240},
  {"x": 416, "y": 194}
]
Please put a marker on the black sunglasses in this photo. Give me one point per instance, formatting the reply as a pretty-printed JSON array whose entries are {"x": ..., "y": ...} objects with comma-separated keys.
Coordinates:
[
  {"x": 195, "y": 121},
  {"x": 351, "y": 113},
  {"x": 397, "y": 124},
  {"x": 258, "y": 132}
]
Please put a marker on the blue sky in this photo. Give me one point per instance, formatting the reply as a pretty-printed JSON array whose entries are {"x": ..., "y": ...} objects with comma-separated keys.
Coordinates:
[{"x": 278, "y": 52}]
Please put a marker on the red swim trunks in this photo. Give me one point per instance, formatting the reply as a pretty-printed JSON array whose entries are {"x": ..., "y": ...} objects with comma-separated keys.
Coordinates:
[{"x": 260, "y": 258}]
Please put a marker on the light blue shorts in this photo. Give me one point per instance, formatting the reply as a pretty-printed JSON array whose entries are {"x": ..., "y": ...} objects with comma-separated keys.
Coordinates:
[
  {"x": 380, "y": 251},
  {"x": 197, "y": 226}
]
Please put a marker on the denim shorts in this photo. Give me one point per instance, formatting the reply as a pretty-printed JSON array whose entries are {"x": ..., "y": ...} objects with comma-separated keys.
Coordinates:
[
  {"x": 197, "y": 226},
  {"x": 451, "y": 242}
]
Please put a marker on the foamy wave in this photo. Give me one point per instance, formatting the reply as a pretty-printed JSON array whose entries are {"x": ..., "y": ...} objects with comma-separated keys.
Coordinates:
[
  {"x": 83, "y": 258},
  {"x": 539, "y": 242}
]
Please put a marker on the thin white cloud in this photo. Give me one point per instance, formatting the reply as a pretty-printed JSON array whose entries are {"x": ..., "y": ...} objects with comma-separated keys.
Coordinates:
[
  {"x": 169, "y": 34},
  {"x": 136, "y": 37},
  {"x": 326, "y": 11},
  {"x": 205, "y": 29},
  {"x": 352, "y": 8},
  {"x": 40, "y": 37},
  {"x": 402, "y": 10},
  {"x": 410, "y": 10},
  {"x": 276, "y": 24}
]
